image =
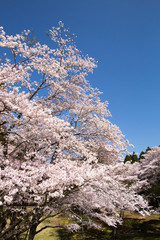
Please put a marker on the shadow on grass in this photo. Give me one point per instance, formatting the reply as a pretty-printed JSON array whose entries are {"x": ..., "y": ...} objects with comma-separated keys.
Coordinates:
[
  {"x": 88, "y": 234},
  {"x": 136, "y": 229},
  {"x": 132, "y": 229}
]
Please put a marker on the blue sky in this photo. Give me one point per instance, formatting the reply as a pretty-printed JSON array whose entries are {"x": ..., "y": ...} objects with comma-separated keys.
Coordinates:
[{"x": 124, "y": 37}]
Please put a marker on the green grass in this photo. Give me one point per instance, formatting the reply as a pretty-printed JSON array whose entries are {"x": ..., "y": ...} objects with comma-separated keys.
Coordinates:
[
  {"x": 135, "y": 227},
  {"x": 51, "y": 233}
]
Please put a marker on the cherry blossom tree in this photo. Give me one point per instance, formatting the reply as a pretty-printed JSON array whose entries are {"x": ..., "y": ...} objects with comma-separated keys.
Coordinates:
[
  {"x": 150, "y": 165},
  {"x": 58, "y": 149},
  {"x": 150, "y": 174}
]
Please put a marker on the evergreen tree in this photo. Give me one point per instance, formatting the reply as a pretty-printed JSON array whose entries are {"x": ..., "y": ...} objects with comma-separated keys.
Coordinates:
[{"x": 131, "y": 158}]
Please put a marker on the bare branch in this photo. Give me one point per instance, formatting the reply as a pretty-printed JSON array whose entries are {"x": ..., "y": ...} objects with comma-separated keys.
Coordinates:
[{"x": 49, "y": 226}]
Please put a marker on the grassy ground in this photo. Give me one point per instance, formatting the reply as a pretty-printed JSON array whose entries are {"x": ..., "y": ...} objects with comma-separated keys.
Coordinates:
[
  {"x": 50, "y": 233},
  {"x": 135, "y": 227}
]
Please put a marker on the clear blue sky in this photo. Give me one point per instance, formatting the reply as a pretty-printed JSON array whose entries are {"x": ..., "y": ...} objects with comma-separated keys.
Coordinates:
[{"x": 124, "y": 37}]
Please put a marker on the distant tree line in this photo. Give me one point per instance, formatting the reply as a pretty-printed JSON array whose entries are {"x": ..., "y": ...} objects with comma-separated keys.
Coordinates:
[{"x": 134, "y": 157}]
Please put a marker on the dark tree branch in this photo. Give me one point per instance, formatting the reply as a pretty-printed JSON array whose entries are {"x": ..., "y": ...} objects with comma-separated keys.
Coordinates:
[
  {"x": 49, "y": 216},
  {"x": 48, "y": 226}
]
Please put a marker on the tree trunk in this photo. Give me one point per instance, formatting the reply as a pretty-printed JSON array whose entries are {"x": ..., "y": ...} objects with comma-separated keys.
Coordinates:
[
  {"x": 32, "y": 232},
  {"x": 34, "y": 224}
]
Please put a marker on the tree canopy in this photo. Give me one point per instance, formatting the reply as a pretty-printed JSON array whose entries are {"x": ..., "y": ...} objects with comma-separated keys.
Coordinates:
[{"x": 58, "y": 149}]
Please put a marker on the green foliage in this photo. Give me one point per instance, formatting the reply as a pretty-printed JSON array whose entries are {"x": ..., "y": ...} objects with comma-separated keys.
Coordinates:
[
  {"x": 152, "y": 194},
  {"x": 134, "y": 158},
  {"x": 142, "y": 153},
  {"x": 131, "y": 158}
]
